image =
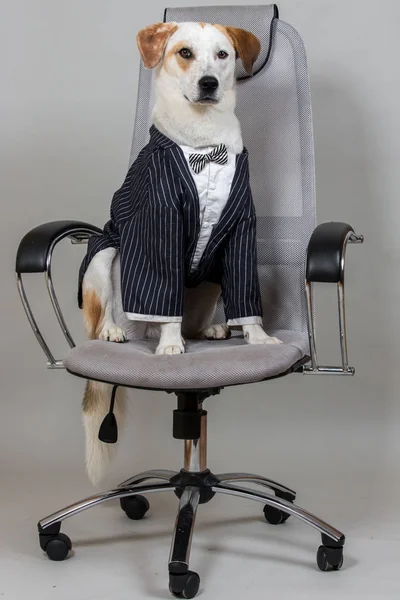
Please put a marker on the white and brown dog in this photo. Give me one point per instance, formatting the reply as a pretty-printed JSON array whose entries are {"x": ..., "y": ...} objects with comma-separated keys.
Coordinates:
[{"x": 194, "y": 108}]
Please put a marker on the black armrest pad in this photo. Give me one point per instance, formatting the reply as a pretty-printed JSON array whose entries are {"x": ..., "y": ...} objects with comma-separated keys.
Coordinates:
[
  {"x": 35, "y": 246},
  {"x": 325, "y": 251}
]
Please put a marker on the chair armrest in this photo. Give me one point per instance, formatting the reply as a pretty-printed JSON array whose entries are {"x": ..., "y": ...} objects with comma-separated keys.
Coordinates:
[
  {"x": 326, "y": 252},
  {"x": 37, "y": 245},
  {"x": 325, "y": 263},
  {"x": 34, "y": 255}
]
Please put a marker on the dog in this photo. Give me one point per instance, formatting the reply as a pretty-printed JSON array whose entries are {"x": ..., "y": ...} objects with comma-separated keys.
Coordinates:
[{"x": 194, "y": 120}]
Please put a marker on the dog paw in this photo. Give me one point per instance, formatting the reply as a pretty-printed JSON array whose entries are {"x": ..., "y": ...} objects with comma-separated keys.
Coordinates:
[
  {"x": 255, "y": 334},
  {"x": 170, "y": 350},
  {"x": 216, "y": 332},
  {"x": 112, "y": 333}
]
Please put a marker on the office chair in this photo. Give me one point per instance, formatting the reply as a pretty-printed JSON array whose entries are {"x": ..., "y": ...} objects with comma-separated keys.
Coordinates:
[{"x": 274, "y": 108}]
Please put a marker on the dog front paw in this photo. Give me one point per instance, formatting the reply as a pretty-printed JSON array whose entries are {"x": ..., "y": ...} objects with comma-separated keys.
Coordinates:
[
  {"x": 112, "y": 333},
  {"x": 216, "y": 332},
  {"x": 255, "y": 334},
  {"x": 170, "y": 350}
]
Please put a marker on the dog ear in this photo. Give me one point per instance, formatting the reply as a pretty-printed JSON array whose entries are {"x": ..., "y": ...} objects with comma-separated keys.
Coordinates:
[
  {"x": 152, "y": 40},
  {"x": 246, "y": 44}
]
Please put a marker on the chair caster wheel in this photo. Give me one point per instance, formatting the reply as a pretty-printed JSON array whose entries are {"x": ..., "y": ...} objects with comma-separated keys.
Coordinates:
[
  {"x": 275, "y": 516},
  {"x": 135, "y": 507},
  {"x": 329, "y": 559},
  {"x": 57, "y": 547},
  {"x": 184, "y": 585}
]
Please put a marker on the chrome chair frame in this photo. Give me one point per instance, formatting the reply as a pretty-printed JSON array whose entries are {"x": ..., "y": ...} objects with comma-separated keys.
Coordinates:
[
  {"x": 77, "y": 235},
  {"x": 191, "y": 495},
  {"x": 344, "y": 369}
]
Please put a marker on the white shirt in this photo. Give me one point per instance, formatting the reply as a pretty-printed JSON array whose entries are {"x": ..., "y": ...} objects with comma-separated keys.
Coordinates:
[{"x": 213, "y": 185}]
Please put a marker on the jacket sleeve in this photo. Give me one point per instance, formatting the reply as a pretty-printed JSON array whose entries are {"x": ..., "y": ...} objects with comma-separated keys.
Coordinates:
[
  {"x": 240, "y": 285},
  {"x": 152, "y": 254}
]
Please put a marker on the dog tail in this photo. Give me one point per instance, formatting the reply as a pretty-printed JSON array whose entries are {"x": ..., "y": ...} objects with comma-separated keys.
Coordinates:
[{"x": 96, "y": 404}]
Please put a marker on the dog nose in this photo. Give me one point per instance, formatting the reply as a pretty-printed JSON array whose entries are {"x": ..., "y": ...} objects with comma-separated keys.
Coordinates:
[{"x": 208, "y": 83}]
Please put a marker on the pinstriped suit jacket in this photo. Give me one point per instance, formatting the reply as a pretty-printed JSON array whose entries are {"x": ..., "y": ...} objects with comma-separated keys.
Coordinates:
[{"x": 155, "y": 224}]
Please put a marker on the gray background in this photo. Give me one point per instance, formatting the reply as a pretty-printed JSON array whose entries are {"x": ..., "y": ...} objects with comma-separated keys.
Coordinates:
[{"x": 67, "y": 107}]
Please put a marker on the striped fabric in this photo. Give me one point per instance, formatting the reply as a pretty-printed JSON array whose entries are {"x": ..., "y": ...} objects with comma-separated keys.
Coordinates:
[
  {"x": 199, "y": 161},
  {"x": 155, "y": 225}
]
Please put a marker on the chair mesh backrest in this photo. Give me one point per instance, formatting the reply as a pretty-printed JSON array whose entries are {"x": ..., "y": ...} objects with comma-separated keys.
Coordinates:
[{"x": 274, "y": 108}]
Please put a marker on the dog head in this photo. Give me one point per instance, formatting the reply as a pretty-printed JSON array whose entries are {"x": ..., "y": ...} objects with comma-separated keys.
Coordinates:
[{"x": 198, "y": 58}]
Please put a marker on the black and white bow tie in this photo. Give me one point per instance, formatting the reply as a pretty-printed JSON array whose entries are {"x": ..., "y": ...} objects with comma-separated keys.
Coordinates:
[{"x": 199, "y": 161}]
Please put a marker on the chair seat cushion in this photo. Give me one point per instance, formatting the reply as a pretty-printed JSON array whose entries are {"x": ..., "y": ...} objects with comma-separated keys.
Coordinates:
[{"x": 205, "y": 364}]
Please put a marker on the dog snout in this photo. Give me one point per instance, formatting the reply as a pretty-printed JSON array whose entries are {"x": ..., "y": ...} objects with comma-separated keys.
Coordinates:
[{"x": 208, "y": 84}]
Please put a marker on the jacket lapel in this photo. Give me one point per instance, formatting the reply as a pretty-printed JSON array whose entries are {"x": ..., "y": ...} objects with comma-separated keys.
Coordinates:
[
  {"x": 192, "y": 207},
  {"x": 192, "y": 204}
]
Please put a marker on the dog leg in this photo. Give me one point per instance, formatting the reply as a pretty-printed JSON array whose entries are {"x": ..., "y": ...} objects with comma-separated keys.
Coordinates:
[
  {"x": 98, "y": 299},
  {"x": 255, "y": 334},
  {"x": 171, "y": 341}
]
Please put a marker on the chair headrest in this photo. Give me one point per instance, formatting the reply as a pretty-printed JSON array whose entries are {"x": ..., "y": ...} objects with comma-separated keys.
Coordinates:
[{"x": 257, "y": 19}]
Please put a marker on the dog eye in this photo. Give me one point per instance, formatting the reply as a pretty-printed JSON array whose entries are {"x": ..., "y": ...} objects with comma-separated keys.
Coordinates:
[
  {"x": 185, "y": 53},
  {"x": 222, "y": 54}
]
